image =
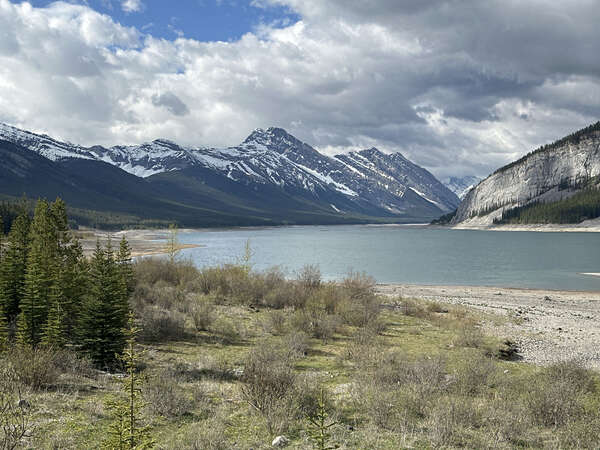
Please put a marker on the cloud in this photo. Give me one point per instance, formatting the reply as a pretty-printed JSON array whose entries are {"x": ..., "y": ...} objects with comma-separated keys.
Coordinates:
[
  {"x": 130, "y": 6},
  {"x": 171, "y": 102},
  {"x": 461, "y": 87}
]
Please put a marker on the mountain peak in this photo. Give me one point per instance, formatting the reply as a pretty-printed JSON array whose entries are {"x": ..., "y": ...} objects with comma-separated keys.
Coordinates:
[{"x": 263, "y": 136}]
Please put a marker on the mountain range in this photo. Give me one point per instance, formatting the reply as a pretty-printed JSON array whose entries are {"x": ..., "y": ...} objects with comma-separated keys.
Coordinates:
[{"x": 270, "y": 178}]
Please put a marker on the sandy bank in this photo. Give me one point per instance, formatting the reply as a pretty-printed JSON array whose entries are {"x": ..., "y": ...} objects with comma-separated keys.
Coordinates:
[
  {"x": 548, "y": 326},
  {"x": 142, "y": 242}
]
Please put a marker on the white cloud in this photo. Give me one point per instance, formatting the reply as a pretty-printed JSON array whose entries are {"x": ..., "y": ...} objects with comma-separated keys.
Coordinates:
[
  {"x": 132, "y": 6},
  {"x": 461, "y": 90}
]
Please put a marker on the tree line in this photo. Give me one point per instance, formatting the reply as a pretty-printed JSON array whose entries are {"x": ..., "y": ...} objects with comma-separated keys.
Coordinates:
[
  {"x": 52, "y": 295},
  {"x": 581, "y": 206}
]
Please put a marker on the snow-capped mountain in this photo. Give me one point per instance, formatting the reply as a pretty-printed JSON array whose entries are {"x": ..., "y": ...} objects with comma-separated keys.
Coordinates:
[
  {"x": 461, "y": 185},
  {"x": 367, "y": 182}
]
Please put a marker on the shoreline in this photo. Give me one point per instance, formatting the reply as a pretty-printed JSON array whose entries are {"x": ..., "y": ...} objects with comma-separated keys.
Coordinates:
[
  {"x": 142, "y": 242},
  {"x": 589, "y": 226},
  {"x": 547, "y": 325}
]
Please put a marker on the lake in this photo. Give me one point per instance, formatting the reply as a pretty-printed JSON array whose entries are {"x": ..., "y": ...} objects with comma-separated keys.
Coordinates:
[{"x": 412, "y": 254}]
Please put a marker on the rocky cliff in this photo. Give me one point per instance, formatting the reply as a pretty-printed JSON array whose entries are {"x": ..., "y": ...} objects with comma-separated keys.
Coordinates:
[{"x": 547, "y": 174}]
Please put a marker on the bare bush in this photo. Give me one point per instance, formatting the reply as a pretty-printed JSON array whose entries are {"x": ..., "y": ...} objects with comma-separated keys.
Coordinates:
[
  {"x": 268, "y": 382},
  {"x": 203, "y": 314},
  {"x": 207, "y": 435},
  {"x": 152, "y": 270},
  {"x": 309, "y": 277},
  {"x": 275, "y": 322},
  {"x": 448, "y": 418},
  {"x": 358, "y": 285},
  {"x": 165, "y": 397},
  {"x": 475, "y": 373},
  {"x": 36, "y": 368},
  {"x": 469, "y": 336},
  {"x": 158, "y": 324},
  {"x": 556, "y": 397},
  {"x": 225, "y": 330}
]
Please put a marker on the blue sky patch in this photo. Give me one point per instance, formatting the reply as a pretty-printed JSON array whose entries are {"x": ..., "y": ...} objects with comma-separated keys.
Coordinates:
[{"x": 203, "y": 20}]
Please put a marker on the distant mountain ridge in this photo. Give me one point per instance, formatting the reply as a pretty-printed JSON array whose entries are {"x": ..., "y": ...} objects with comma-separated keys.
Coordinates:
[
  {"x": 366, "y": 183},
  {"x": 461, "y": 185},
  {"x": 550, "y": 174}
]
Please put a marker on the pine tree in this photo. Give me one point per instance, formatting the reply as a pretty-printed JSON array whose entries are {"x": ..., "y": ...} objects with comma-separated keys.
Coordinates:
[
  {"x": 126, "y": 430},
  {"x": 39, "y": 276},
  {"x": 100, "y": 327},
  {"x": 12, "y": 269}
]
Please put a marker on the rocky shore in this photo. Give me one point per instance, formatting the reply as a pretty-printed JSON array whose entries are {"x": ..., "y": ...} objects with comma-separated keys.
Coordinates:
[{"x": 548, "y": 326}]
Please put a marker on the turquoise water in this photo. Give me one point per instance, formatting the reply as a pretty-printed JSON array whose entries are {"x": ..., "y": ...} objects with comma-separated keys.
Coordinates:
[{"x": 413, "y": 254}]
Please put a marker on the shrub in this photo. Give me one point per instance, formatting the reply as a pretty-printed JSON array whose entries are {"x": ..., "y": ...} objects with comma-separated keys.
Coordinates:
[
  {"x": 358, "y": 285},
  {"x": 152, "y": 270},
  {"x": 225, "y": 330},
  {"x": 317, "y": 322},
  {"x": 310, "y": 277},
  {"x": 449, "y": 418},
  {"x": 469, "y": 336},
  {"x": 158, "y": 325},
  {"x": 556, "y": 397},
  {"x": 165, "y": 397},
  {"x": 202, "y": 311},
  {"x": 414, "y": 308},
  {"x": 474, "y": 373},
  {"x": 275, "y": 322},
  {"x": 295, "y": 344},
  {"x": 268, "y": 382},
  {"x": 279, "y": 296},
  {"x": 16, "y": 421},
  {"x": 207, "y": 435},
  {"x": 36, "y": 368}
]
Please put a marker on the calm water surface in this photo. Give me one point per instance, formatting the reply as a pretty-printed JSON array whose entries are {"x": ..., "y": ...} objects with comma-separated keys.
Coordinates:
[{"x": 409, "y": 254}]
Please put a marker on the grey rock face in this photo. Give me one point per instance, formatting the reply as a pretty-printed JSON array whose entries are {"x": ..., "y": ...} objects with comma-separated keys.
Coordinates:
[{"x": 535, "y": 177}]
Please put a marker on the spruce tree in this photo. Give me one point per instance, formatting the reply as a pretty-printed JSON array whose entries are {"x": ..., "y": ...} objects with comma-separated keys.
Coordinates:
[
  {"x": 101, "y": 324},
  {"x": 12, "y": 269},
  {"x": 40, "y": 276},
  {"x": 54, "y": 331},
  {"x": 71, "y": 276},
  {"x": 125, "y": 275},
  {"x": 126, "y": 430}
]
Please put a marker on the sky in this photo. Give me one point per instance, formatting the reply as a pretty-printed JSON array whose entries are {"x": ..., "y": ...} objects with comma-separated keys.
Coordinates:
[{"x": 460, "y": 87}]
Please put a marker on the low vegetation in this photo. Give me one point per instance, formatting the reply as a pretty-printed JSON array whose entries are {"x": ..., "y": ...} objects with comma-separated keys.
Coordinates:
[{"x": 230, "y": 358}]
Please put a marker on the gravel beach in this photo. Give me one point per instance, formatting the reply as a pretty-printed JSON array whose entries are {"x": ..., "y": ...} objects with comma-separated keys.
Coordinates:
[{"x": 548, "y": 326}]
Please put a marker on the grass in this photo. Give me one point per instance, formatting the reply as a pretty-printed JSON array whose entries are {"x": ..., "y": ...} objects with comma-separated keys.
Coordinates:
[{"x": 413, "y": 374}]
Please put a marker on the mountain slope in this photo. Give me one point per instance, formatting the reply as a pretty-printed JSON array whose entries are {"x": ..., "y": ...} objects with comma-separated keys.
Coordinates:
[
  {"x": 549, "y": 174},
  {"x": 270, "y": 171}
]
